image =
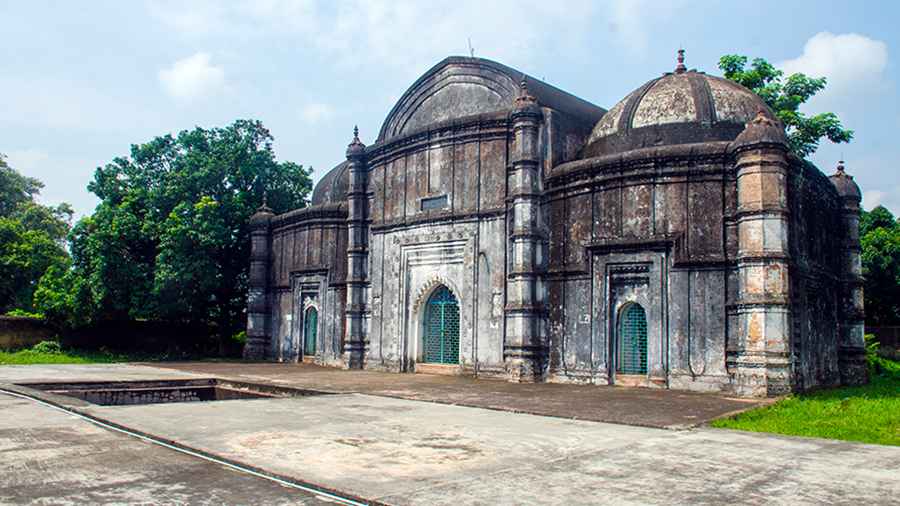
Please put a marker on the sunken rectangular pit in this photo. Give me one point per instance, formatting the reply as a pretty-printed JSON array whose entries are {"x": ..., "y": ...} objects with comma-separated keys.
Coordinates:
[{"x": 127, "y": 393}]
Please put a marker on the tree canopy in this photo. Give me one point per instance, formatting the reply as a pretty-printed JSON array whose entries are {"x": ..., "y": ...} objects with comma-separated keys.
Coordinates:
[
  {"x": 32, "y": 238},
  {"x": 785, "y": 96},
  {"x": 170, "y": 239},
  {"x": 880, "y": 240}
]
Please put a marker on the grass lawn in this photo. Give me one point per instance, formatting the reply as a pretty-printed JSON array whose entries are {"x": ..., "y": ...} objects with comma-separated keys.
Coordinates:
[
  {"x": 869, "y": 414},
  {"x": 22, "y": 357},
  {"x": 49, "y": 352}
]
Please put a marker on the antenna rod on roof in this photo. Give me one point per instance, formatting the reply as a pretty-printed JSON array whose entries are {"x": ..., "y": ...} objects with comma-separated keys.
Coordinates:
[{"x": 471, "y": 49}]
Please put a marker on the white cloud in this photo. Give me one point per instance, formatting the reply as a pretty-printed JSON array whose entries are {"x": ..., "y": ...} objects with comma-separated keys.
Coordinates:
[
  {"x": 403, "y": 34},
  {"x": 873, "y": 198},
  {"x": 192, "y": 77},
  {"x": 631, "y": 21},
  {"x": 202, "y": 17},
  {"x": 889, "y": 198},
  {"x": 853, "y": 64},
  {"x": 315, "y": 113},
  {"x": 199, "y": 17}
]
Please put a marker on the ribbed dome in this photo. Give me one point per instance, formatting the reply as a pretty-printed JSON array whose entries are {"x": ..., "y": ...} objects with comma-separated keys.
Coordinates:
[
  {"x": 680, "y": 107},
  {"x": 333, "y": 186}
]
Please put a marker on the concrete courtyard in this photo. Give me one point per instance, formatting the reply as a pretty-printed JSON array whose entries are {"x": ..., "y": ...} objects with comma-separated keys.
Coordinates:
[{"x": 434, "y": 441}]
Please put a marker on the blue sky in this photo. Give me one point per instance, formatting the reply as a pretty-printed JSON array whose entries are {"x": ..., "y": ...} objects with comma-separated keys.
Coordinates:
[{"x": 82, "y": 81}]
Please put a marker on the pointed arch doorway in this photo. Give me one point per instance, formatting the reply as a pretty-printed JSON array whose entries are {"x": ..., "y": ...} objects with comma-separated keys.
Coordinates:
[
  {"x": 440, "y": 333},
  {"x": 631, "y": 341}
]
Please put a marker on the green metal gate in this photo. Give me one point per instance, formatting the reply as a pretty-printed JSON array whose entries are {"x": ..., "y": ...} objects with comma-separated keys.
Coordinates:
[
  {"x": 632, "y": 352},
  {"x": 441, "y": 336},
  {"x": 310, "y": 328}
]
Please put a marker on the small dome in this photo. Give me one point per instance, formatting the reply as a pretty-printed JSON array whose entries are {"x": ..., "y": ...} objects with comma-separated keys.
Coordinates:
[
  {"x": 680, "y": 107},
  {"x": 260, "y": 219},
  {"x": 333, "y": 186},
  {"x": 763, "y": 129},
  {"x": 844, "y": 183}
]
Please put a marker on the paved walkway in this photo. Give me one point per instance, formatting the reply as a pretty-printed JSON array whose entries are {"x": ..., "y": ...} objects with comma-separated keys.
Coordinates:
[
  {"x": 49, "y": 457},
  {"x": 406, "y": 452},
  {"x": 631, "y": 406}
]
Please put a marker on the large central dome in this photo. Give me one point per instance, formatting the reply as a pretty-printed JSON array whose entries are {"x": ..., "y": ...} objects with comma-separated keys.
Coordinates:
[{"x": 680, "y": 107}]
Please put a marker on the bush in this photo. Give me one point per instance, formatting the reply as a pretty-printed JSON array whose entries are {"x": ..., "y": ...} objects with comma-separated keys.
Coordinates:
[
  {"x": 240, "y": 337},
  {"x": 50, "y": 347},
  {"x": 878, "y": 365},
  {"x": 24, "y": 314}
]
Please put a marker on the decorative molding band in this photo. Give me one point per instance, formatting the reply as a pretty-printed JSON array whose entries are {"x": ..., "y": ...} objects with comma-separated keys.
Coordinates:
[
  {"x": 335, "y": 214},
  {"x": 479, "y": 126},
  {"x": 617, "y": 245},
  {"x": 652, "y": 158},
  {"x": 439, "y": 219}
]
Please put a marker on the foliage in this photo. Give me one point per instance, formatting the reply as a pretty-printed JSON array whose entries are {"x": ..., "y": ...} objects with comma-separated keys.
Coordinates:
[
  {"x": 15, "y": 189},
  {"x": 785, "y": 96},
  {"x": 54, "y": 221},
  {"x": 25, "y": 255},
  {"x": 32, "y": 238},
  {"x": 24, "y": 314},
  {"x": 51, "y": 347},
  {"x": 869, "y": 413},
  {"x": 62, "y": 356},
  {"x": 240, "y": 337},
  {"x": 880, "y": 240},
  {"x": 51, "y": 352},
  {"x": 169, "y": 239},
  {"x": 879, "y": 365},
  {"x": 62, "y": 296},
  {"x": 879, "y": 217}
]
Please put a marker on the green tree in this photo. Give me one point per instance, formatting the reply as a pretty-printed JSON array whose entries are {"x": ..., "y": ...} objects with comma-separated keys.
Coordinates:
[
  {"x": 15, "y": 189},
  {"x": 170, "y": 237},
  {"x": 880, "y": 241},
  {"x": 32, "y": 238},
  {"x": 785, "y": 96}
]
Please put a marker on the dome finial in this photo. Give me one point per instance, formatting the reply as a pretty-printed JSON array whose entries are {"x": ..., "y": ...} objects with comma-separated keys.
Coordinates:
[
  {"x": 846, "y": 186},
  {"x": 264, "y": 208},
  {"x": 525, "y": 98},
  {"x": 356, "y": 147},
  {"x": 680, "y": 68}
]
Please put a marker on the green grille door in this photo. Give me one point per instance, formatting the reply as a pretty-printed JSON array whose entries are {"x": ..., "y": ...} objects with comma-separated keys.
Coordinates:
[
  {"x": 632, "y": 340},
  {"x": 441, "y": 339},
  {"x": 310, "y": 328}
]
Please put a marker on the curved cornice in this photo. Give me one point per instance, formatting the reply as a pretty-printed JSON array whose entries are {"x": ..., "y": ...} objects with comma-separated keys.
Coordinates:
[
  {"x": 494, "y": 79},
  {"x": 707, "y": 151},
  {"x": 479, "y": 126},
  {"x": 333, "y": 212}
]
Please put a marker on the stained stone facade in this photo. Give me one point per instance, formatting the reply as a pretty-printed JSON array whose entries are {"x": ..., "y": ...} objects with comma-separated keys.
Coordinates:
[{"x": 672, "y": 241}]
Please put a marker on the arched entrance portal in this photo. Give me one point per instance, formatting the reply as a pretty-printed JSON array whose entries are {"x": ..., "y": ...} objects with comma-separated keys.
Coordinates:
[
  {"x": 440, "y": 337},
  {"x": 310, "y": 329},
  {"x": 631, "y": 355}
]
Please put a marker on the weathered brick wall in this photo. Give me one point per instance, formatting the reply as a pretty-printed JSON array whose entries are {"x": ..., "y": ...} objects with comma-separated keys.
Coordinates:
[
  {"x": 19, "y": 332},
  {"x": 888, "y": 339},
  {"x": 654, "y": 226},
  {"x": 308, "y": 261},
  {"x": 460, "y": 244},
  {"x": 816, "y": 239}
]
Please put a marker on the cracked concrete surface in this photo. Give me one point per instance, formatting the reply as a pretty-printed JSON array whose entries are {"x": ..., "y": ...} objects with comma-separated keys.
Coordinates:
[
  {"x": 408, "y": 452},
  {"x": 403, "y": 452},
  {"x": 50, "y": 457}
]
